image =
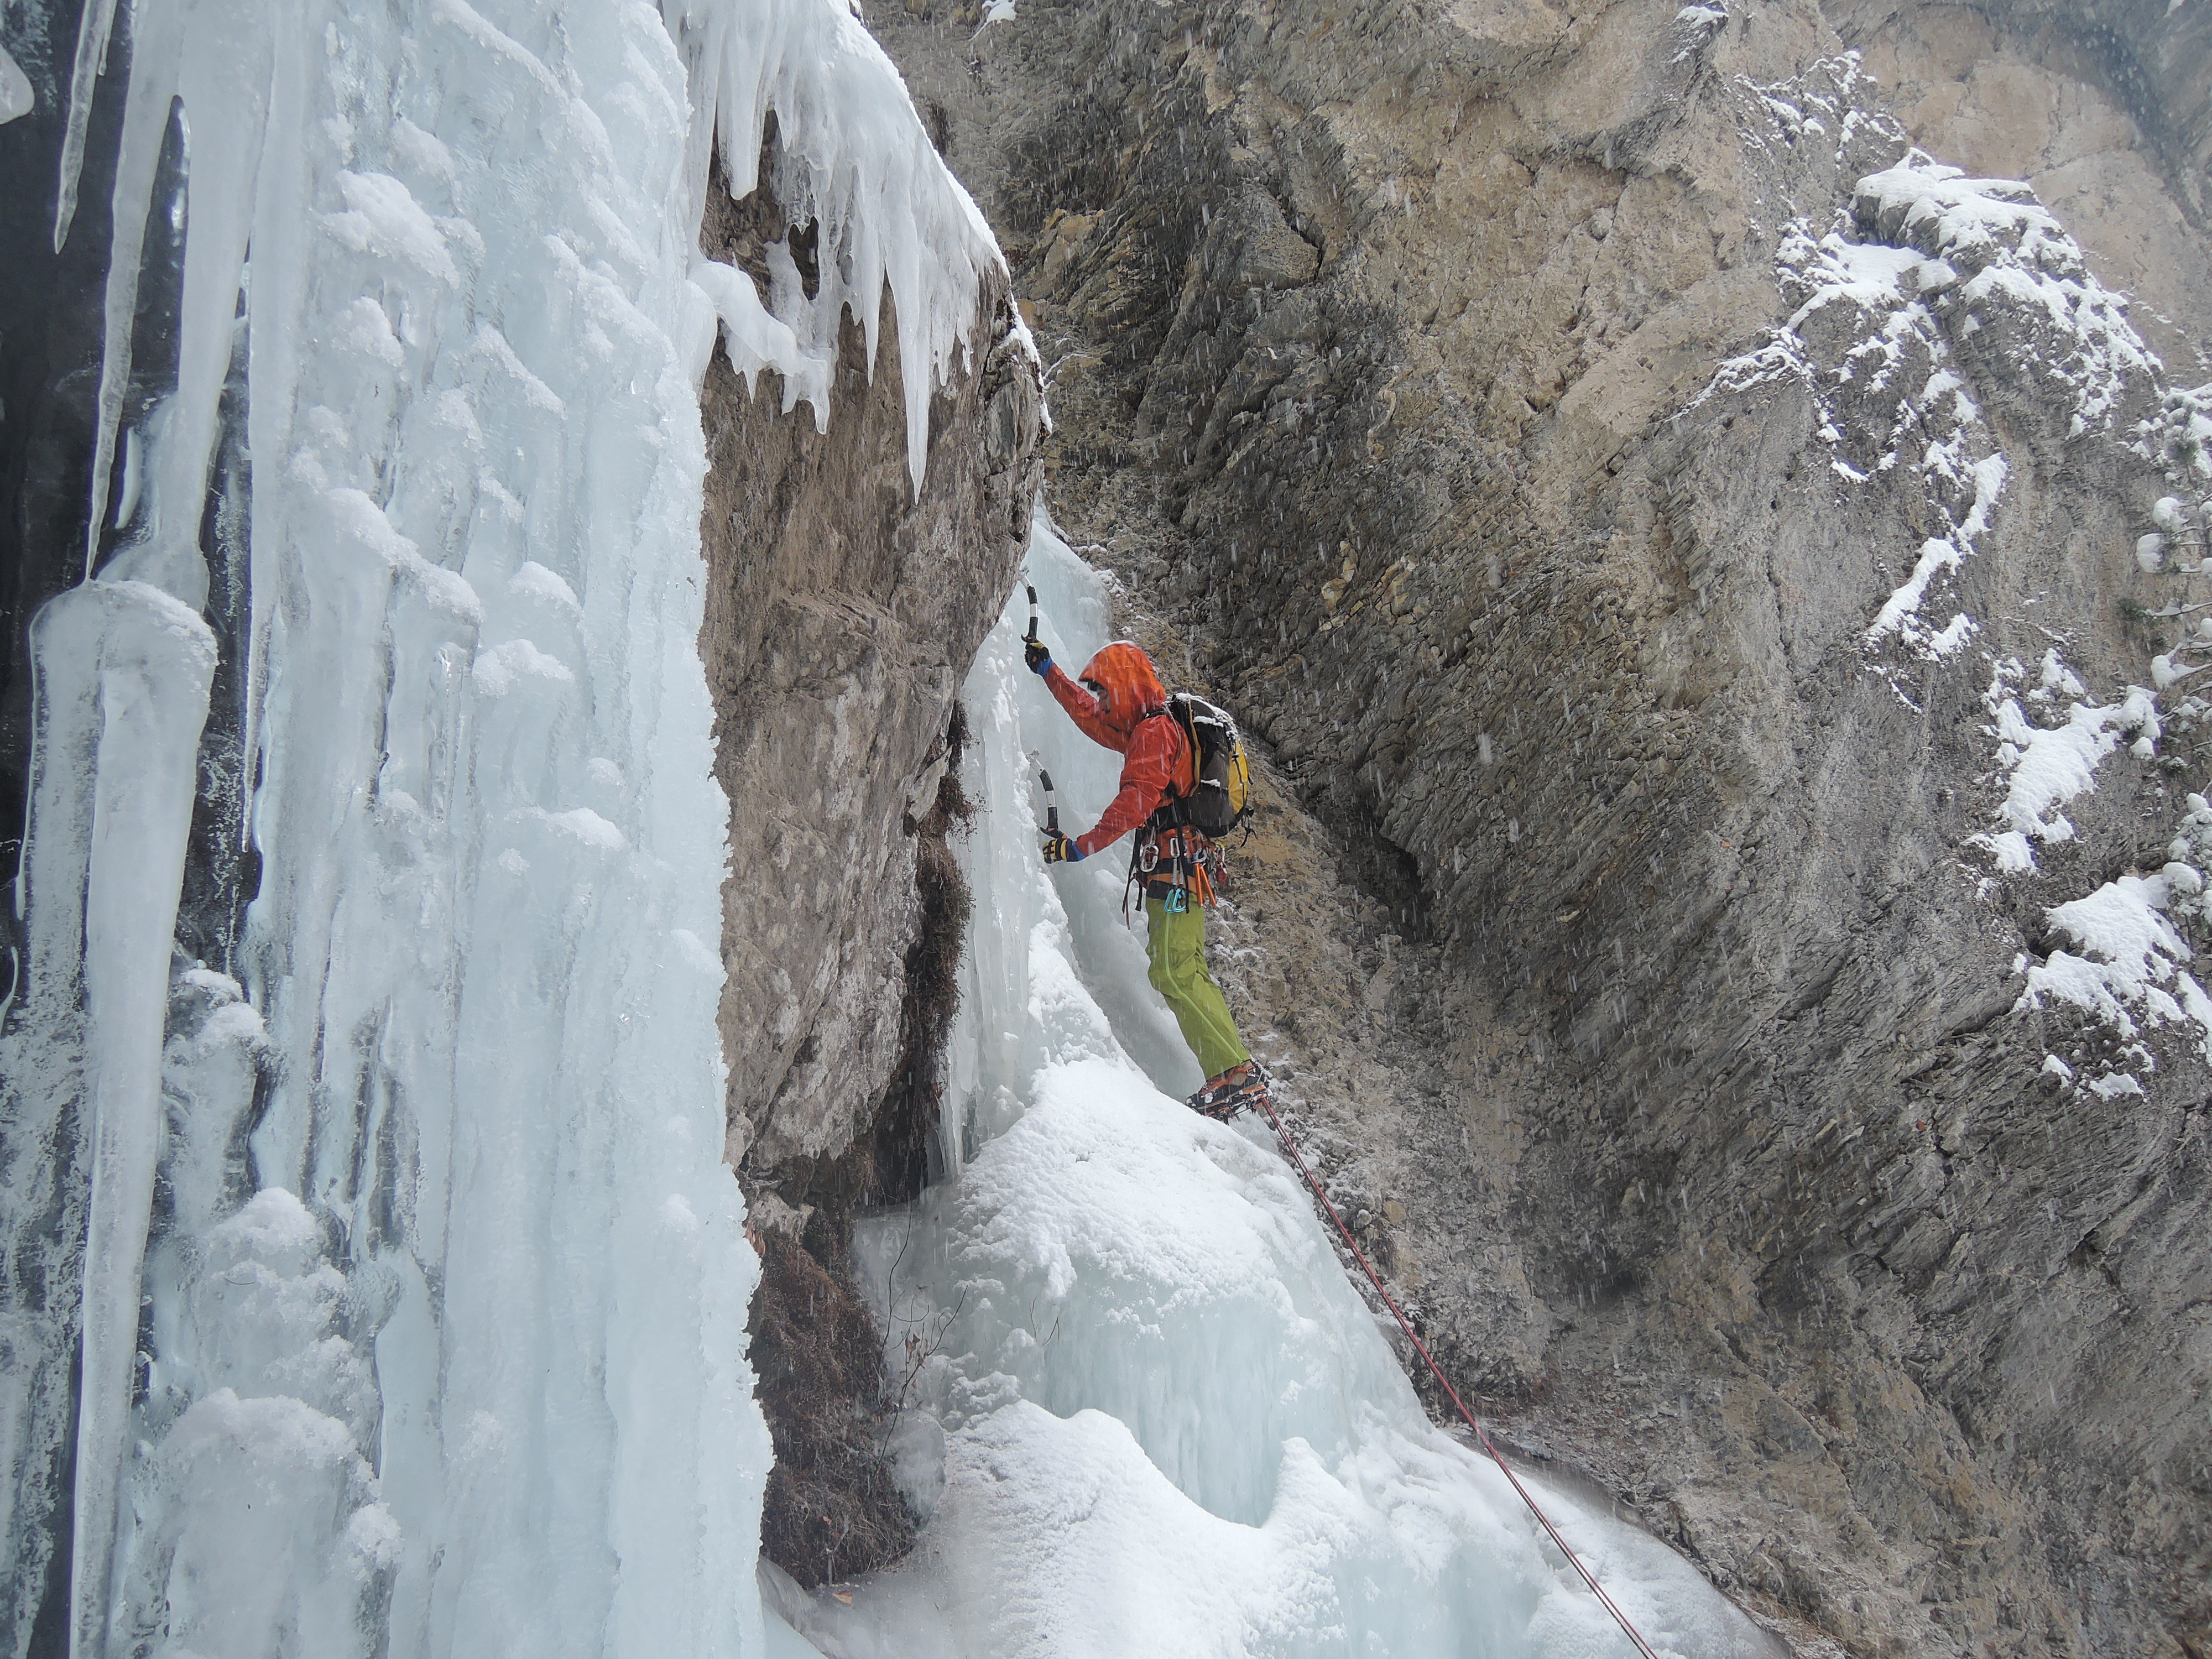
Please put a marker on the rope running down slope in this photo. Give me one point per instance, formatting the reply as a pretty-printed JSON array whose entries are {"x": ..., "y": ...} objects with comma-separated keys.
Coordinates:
[{"x": 1290, "y": 1146}]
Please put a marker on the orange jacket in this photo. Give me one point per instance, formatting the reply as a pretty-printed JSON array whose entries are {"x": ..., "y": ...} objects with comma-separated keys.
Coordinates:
[{"x": 1155, "y": 756}]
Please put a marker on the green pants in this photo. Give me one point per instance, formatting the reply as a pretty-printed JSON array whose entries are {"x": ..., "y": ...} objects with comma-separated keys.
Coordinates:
[{"x": 1177, "y": 945}]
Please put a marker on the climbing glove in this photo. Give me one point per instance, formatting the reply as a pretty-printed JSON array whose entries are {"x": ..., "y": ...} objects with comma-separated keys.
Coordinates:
[
  {"x": 1058, "y": 849},
  {"x": 1038, "y": 655}
]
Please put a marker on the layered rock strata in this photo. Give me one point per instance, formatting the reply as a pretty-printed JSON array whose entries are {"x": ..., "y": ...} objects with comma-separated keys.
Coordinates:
[{"x": 1677, "y": 527}]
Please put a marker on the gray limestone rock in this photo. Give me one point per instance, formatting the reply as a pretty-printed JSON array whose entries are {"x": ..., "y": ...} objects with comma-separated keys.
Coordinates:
[{"x": 1564, "y": 536}]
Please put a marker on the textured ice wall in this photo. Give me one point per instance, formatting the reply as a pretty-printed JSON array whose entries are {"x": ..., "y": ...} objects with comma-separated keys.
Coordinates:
[
  {"x": 413, "y": 1285},
  {"x": 469, "y": 1363},
  {"x": 1142, "y": 1405}
]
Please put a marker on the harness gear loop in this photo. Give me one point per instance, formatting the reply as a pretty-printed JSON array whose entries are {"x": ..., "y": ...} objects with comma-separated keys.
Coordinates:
[{"x": 1435, "y": 1370}]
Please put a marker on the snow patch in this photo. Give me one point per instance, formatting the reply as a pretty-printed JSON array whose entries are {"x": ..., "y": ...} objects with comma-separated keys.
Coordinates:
[
  {"x": 852, "y": 157},
  {"x": 2013, "y": 258},
  {"x": 2131, "y": 962},
  {"x": 1887, "y": 395},
  {"x": 2178, "y": 436},
  {"x": 2047, "y": 766}
]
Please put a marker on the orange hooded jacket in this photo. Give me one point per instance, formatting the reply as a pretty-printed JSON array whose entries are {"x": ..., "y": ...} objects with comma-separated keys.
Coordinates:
[{"x": 1155, "y": 756}]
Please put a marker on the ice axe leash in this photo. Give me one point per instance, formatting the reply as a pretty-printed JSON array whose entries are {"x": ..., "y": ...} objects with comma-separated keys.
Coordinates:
[{"x": 1435, "y": 1370}]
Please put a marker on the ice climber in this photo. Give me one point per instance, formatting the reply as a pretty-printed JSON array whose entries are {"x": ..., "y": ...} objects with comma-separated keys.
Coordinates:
[{"x": 1120, "y": 703}]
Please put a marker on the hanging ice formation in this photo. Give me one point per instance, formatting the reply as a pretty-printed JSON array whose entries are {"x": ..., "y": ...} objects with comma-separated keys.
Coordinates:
[
  {"x": 1142, "y": 1406},
  {"x": 413, "y": 1287}
]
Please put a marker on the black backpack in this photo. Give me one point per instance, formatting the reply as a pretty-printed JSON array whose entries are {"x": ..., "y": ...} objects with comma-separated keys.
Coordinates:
[{"x": 1222, "y": 798}]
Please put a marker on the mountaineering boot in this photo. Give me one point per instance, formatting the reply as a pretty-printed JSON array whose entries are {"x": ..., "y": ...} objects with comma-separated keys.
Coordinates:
[
  {"x": 1235, "y": 1089},
  {"x": 1199, "y": 1102}
]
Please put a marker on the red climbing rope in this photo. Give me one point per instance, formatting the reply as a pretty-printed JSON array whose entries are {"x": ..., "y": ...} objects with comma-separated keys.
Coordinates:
[{"x": 1436, "y": 1370}]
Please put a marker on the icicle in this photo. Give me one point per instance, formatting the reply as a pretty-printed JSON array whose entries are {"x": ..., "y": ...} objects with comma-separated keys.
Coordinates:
[
  {"x": 145, "y": 120},
  {"x": 98, "y": 18},
  {"x": 122, "y": 675},
  {"x": 853, "y": 157},
  {"x": 17, "y": 97}
]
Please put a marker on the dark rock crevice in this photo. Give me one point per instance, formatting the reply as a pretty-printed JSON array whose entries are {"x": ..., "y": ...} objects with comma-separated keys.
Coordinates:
[
  {"x": 904, "y": 1145},
  {"x": 831, "y": 1510}
]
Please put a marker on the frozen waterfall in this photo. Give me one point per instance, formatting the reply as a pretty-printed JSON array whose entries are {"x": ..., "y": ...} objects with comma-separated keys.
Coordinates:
[
  {"x": 412, "y": 1284},
  {"x": 1145, "y": 1411}
]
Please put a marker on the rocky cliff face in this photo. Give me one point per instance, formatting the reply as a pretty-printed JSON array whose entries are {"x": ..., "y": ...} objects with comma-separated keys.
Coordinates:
[
  {"x": 843, "y": 609},
  {"x": 1696, "y": 542}
]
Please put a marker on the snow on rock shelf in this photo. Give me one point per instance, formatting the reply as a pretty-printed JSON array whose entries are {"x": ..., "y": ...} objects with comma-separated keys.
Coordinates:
[
  {"x": 2002, "y": 263},
  {"x": 852, "y": 157},
  {"x": 2046, "y": 765},
  {"x": 1864, "y": 338},
  {"x": 2134, "y": 958},
  {"x": 1895, "y": 314},
  {"x": 1142, "y": 1406},
  {"x": 414, "y": 1285}
]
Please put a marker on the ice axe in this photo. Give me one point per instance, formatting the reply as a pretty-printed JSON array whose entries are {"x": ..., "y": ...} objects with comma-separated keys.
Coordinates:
[
  {"x": 1044, "y": 777},
  {"x": 1051, "y": 805}
]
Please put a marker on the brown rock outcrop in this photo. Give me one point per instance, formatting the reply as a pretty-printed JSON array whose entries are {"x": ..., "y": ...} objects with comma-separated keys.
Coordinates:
[
  {"x": 844, "y": 608},
  {"x": 843, "y": 612}
]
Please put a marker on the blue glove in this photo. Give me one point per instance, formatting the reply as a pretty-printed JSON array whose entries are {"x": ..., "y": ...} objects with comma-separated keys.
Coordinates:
[
  {"x": 1038, "y": 655},
  {"x": 1058, "y": 849}
]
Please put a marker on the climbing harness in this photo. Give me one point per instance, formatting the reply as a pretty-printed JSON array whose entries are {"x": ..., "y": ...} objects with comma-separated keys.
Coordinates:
[
  {"x": 1174, "y": 863},
  {"x": 1405, "y": 1325}
]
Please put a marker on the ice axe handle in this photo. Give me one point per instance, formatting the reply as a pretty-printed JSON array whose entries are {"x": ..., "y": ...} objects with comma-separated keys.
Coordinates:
[
  {"x": 1051, "y": 808},
  {"x": 1033, "y": 622}
]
